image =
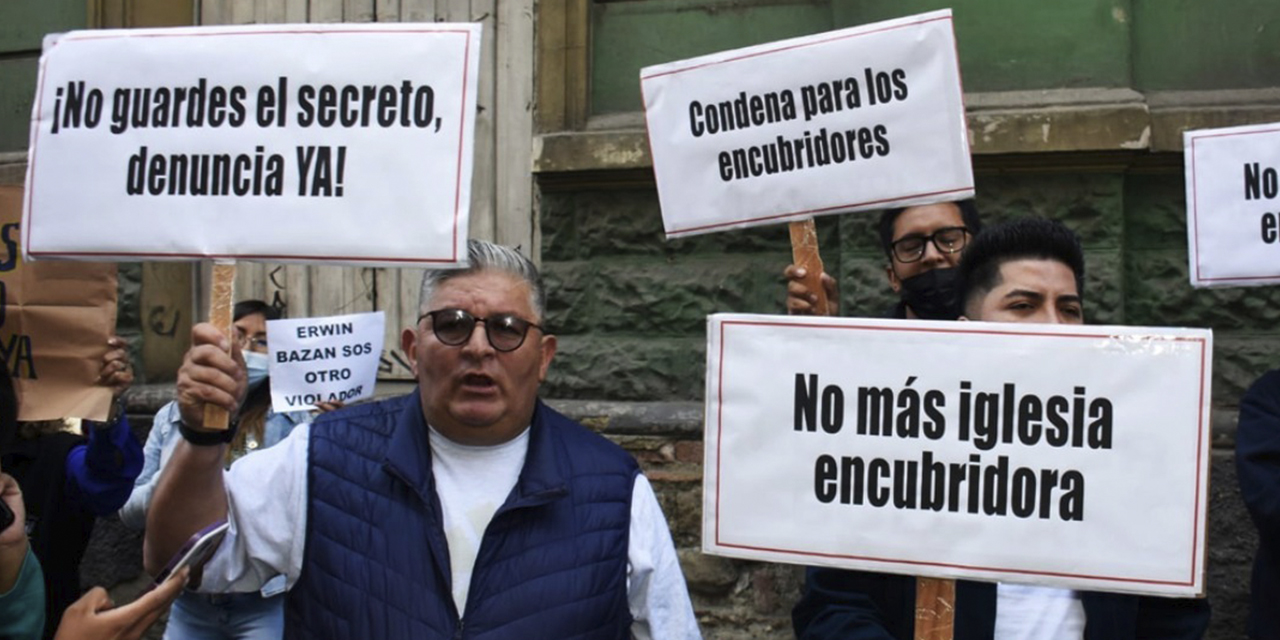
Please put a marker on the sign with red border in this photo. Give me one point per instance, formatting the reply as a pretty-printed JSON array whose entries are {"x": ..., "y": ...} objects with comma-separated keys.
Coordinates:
[
  {"x": 857, "y": 119},
  {"x": 1233, "y": 205},
  {"x": 1068, "y": 456},
  {"x": 325, "y": 144}
]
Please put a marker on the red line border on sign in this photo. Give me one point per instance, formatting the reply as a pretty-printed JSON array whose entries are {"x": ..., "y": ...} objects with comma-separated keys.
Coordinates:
[
  {"x": 1195, "y": 208},
  {"x": 466, "y": 64},
  {"x": 890, "y": 561},
  {"x": 808, "y": 212}
]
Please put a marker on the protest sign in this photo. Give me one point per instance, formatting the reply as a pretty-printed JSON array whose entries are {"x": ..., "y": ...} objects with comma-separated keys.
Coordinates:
[
  {"x": 1233, "y": 205},
  {"x": 340, "y": 143},
  {"x": 316, "y": 360},
  {"x": 1071, "y": 456},
  {"x": 54, "y": 325},
  {"x": 862, "y": 118}
]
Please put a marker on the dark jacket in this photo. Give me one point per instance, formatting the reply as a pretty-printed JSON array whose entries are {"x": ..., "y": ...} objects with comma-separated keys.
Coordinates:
[
  {"x": 1258, "y": 466},
  {"x": 857, "y": 605},
  {"x": 67, "y": 481},
  {"x": 552, "y": 564}
]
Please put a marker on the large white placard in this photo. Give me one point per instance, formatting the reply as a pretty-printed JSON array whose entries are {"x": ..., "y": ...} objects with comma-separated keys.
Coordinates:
[
  {"x": 862, "y": 118},
  {"x": 1072, "y": 456},
  {"x": 1233, "y": 205},
  {"x": 329, "y": 359},
  {"x": 342, "y": 143}
]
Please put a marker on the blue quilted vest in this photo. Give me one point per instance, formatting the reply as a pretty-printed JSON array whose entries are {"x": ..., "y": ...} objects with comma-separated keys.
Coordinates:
[{"x": 552, "y": 564}]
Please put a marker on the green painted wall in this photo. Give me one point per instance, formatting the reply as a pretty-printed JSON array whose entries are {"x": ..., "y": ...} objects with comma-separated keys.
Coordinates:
[
  {"x": 628, "y": 36},
  {"x": 1197, "y": 45},
  {"x": 23, "y": 24},
  {"x": 1005, "y": 45}
]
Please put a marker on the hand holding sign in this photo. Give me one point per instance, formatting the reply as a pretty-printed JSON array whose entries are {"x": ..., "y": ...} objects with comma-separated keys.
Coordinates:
[{"x": 212, "y": 374}]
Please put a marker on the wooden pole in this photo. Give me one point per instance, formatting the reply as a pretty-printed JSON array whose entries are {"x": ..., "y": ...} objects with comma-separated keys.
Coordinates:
[
  {"x": 804, "y": 254},
  {"x": 220, "y": 312},
  {"x": 935, "y": 608}
]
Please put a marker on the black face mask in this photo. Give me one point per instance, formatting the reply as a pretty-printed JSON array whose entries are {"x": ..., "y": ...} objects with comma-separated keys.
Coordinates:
[{"x": 933, "y": 295}]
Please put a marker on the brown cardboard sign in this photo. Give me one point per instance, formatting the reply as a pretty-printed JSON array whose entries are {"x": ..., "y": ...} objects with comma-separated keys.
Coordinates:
[{"x": 54, "y": 325}]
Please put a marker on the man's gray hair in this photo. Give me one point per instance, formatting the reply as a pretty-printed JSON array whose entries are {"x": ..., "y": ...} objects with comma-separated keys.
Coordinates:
[{"x": 486, "y": 256}]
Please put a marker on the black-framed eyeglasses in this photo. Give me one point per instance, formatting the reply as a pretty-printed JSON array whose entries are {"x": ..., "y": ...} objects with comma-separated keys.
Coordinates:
[
  {"x": 946, "y": 239},
  {"x": 454, "y": 327}
]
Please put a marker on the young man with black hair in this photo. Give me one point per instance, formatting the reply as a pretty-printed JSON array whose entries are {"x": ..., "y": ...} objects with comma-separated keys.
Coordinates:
[
  {"x": 923, "y": 245},
  {"x": 1025, "y": 270}
]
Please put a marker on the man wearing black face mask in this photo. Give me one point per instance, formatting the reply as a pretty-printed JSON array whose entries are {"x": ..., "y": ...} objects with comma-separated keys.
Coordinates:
[{"x": 923, "y": 245}]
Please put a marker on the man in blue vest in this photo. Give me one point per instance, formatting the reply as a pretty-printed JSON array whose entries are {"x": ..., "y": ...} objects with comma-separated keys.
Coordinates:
[{"x": 466, "y": 509}]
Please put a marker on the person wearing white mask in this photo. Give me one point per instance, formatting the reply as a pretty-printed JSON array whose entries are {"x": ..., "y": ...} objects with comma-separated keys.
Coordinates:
[{"x": 247, "y": 616}]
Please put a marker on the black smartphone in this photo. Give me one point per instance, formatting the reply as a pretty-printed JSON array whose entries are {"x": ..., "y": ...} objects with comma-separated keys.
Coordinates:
[
  {"x": 195, "y": 552},
  {"x": 6, "y": 515}
]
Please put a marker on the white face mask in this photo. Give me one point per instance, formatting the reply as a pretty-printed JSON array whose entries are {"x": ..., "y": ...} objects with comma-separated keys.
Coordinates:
[{"x": 256, "y": 367}]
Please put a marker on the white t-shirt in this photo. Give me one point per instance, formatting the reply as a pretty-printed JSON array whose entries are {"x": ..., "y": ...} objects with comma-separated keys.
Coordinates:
[
  {"x": 1026, "y": 612},
  {"x": 268, "y": 533}
]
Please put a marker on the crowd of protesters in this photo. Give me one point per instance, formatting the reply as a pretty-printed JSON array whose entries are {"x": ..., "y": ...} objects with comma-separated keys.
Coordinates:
[{"x": 467, "y": 508}]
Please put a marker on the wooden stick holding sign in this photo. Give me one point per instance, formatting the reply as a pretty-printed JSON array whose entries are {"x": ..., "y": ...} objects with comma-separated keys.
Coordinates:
[
  {"x": 220, "y": 315},
  {"x": 804, "y": 253},
  {"x": 935, "y": 608}
]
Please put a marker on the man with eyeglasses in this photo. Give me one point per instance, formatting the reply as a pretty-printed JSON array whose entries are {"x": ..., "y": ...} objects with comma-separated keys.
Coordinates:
[
  {"x": 466, "y": 509},
  {"x": 923, "y": 245}
]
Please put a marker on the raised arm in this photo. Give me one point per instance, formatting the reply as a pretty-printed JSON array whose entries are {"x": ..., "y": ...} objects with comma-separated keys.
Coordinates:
[{"x": 190, "y": 493}]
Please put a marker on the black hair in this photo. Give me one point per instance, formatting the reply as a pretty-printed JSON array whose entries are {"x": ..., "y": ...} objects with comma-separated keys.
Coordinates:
[
  {"x": 250, "y": 307},
  {"x": 1018, "y": 239},
  {"x": 968, "y": 214}
]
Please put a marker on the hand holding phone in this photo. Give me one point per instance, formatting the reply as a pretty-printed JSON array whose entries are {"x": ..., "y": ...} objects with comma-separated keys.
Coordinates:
[
  {"x": 9, "y": 492},
  {"x": 195, "y": 552}
]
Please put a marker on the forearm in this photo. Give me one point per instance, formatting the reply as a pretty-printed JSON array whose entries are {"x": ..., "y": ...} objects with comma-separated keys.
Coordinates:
[
  {"x": 11, "y": 558},
  {"x": 22, "y": 600},
  {"x": 189, "y": 496}
]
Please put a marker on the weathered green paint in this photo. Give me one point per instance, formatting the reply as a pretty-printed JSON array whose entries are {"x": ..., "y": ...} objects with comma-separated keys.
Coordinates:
[
  {"x": 628, "y": 36},
  {"x": 1010, "y": 45},
  {"x": 1196, "y": 45},
  {"x": 18, "y": 77},
  {"x": 23, "y": 23}
]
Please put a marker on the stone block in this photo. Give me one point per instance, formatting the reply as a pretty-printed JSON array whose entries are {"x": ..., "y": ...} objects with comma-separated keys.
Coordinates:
[
  {"x": 708, "y": 575},
  {"x": 1159, "y": 293},
  {"x": 628, "y": 368},
  {"x": 610, "y": 223},
  {"x": 659, "y": 296},
  {"x": 1239, "y": 360},
  {"x": 1091, "y": 204},
  {"x": 1104, "y": 287},
  {"x": 1156, "y": 212},
  {"x": 864, "y": 287}
]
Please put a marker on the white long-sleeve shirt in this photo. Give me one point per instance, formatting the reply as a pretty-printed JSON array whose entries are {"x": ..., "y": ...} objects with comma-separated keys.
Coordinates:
[{"x": 267, "y": 509}]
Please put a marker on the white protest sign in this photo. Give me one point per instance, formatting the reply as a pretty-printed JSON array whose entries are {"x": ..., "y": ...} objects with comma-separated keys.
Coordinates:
[
  {"x": 315, "y": 360},
  {"x": 1233, "y": 205},
  {"x": 342, "y": 143},
  {"x": 1072, "y": 456},
  {"x": 862, "y": 118}
]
